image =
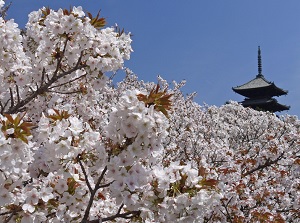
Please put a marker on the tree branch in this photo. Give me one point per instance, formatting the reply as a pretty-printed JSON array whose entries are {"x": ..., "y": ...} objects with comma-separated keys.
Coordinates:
[
  {"x": 11, "y": 98},
  {"x": 44, "y": 88},
  {"x": 226, "y": 209},
  {"x": 97, "y": 186},
  {"x": 60, "y": 58},
  {"x": 18, "y": 94},
  {"x": 93, "y": 192},
  {"x": 125, "y": 215},
  {"x": 43, "y": 77},
  {"x": 4, "y": 10},
  {"x": 268, "y": 163},
  {"x": 60, "y": 92},
  {"x": 106, "y": 185},
  {"x": 11, "y": 214},
  {"x": 70, "y": 81},
  {"x": 84, "y": 173}
]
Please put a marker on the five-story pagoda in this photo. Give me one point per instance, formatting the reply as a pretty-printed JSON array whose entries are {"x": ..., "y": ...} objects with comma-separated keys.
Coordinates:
[{"x": 259, "y": 92}]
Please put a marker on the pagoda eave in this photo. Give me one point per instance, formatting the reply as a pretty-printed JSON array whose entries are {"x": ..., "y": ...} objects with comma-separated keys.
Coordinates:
[
  {"x": 270, "y": 91},
  {"x": 266, "y": 104}
]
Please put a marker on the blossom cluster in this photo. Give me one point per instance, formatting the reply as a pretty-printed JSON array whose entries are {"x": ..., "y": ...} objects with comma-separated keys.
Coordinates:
[
  {"x": 63, "y": 47},
  {"x": 253, "y": 155},
  {"x": 14, "y": 63},
  {"x": 76, "y": 148},
  {"x": 15, "y": 158}
]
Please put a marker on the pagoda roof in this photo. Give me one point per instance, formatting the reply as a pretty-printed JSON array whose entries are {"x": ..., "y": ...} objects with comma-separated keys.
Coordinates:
[
  {"x": 266, "y": 104},
  {"x": 259, "y": 87}
]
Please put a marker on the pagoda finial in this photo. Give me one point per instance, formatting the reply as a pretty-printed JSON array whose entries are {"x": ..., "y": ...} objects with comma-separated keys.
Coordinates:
[{"x": 259, "y": 63}]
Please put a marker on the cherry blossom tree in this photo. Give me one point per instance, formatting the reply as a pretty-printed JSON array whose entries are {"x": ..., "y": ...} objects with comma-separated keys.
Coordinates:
[
  {"x": 77, "y": 148},
  {"x": 252, "y": 156}
]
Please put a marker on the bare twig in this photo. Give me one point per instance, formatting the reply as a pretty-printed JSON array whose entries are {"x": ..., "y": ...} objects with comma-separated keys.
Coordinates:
[
  {"x": 75, "y": 79},
  {"x": 60, "y": 92},
  {"x": 44, "y": 88},
  {"x": 84, "y": 173},
  {"x": 106, "y": 185},
  {"x": 18, "y": 94},
  {"x": 11, "y": 97},
  {"x": 4, "y": 10},
  {"x": 268, "y": 163},
  {"x": 11, "y": 214},
  {"x": 43, "y": 77},
  {"x": 93, "y": 192},
  {"x": 97, "y": 186},
  {"x": 226, "y": 209},
  {"x": 4, "y": 106},
  {"x": 60, "y": 58},
  {"x": 125, "y": 215},
  {"x": 206, "y": 220}
]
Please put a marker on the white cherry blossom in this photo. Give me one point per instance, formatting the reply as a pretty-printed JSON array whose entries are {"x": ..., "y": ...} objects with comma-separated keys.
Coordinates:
[{"x": 77, "y": 147}]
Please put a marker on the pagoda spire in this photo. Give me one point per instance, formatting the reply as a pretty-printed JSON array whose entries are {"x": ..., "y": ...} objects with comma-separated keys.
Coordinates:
[{"x": 259, "y": 63}]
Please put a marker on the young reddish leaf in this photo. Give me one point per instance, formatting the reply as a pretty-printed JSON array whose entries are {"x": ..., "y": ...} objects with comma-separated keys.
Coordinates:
[
  {"x": 101, "y": 196},
  {"x": 96, "y": 21},
  {"x": 18, "y": 119},
  {"x": 210, "y": 183},
  {"x": 23, "y": 138},
  {"x": 20, "y": 131},
  {"x": 59, "y": 115},
  {"x": 160, "y": 100},
  {"x": 9, "y": 118}
]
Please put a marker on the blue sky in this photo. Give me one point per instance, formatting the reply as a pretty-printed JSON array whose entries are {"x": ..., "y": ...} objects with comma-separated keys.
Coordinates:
[{"x": 211, "y": 44}]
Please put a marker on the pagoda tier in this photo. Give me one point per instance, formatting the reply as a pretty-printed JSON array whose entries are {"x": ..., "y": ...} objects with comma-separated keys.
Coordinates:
[
  {"x": 265, "y": 104},
  {"x": 259, "y": 92},
  {"x": 258, "y": 87}
]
